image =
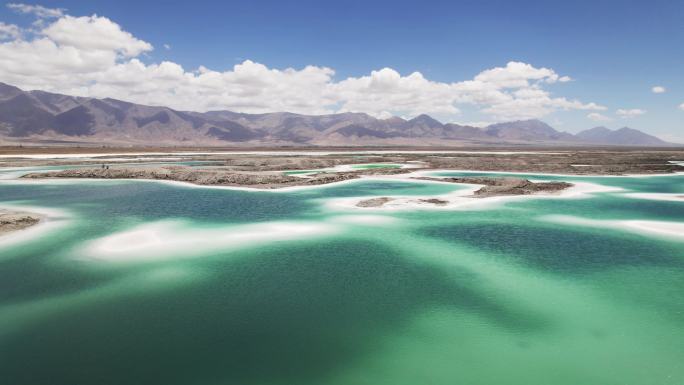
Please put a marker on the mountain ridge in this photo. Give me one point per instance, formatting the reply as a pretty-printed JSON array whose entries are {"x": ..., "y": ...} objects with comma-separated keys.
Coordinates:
[{"x": 35, "y": 116}]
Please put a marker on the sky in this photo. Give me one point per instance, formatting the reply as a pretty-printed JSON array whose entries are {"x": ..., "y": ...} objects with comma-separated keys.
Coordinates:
[{"x": 573, "y": 64}]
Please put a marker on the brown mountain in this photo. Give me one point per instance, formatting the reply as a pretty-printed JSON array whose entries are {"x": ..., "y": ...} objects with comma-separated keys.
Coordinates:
[
  {"x": 528, "y": 130},
  {"x": 623, "y": 137},
  {"x": 37, "y": 116}
]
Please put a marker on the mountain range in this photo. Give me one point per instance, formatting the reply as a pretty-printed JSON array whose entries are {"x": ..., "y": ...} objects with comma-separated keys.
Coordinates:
[{"x": 43, "y": 117}]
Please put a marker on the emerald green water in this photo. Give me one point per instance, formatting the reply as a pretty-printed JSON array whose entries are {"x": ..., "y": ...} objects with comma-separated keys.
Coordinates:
[{"x": 149, "y": 283}]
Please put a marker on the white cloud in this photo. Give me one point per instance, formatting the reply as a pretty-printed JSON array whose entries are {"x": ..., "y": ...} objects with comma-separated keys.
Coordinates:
[
  {"x": 516, "y": 75},
  {"x": 631, "y": 113},
  {"x": 658, "y": 90},
  {"x": 95, "y": 33},
  {"x": 386, "y": 92},
  {"x": 37, "y": 10},
  {"x": 597, "y": 117},
  {"x": 681, "y": 106},
  {"x": 9, "y": 31},
  {"x": 478, "y": 124},
  {"x": 94, "y": 56},
  {"x": 42, "y": 62},
  {"x": 167, "y": 46}
]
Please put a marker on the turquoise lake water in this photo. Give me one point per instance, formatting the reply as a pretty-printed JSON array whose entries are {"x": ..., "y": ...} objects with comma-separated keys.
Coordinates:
[{"x": 136, "y": 282}]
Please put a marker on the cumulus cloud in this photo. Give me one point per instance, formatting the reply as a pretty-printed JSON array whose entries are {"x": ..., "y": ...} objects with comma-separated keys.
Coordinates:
[
  {"x": 37, "y": 10},
  {"x": 386, "y": 92},
  {"x": 631, "y": 113},
  {"x": 94, "y": 56},
  {"x": 658, "y": 89},
  {"x": 597, "y": 117},
  {"x": 94, "y": 33},
  {"x": 518, "y": 75}
]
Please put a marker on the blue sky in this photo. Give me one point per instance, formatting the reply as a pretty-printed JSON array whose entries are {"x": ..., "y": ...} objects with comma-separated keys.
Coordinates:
[{"x": 614, "y": 51}]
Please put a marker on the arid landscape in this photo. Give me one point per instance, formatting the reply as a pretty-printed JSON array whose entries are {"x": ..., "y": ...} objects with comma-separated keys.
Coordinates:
[
  {"x": 268, "y": 168},
  {"x": 348, "y": 192}
]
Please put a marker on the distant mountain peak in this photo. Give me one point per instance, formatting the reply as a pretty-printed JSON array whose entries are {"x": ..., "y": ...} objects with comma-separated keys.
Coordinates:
[
  {"x": 35, "y": 116},
  {"x": 5, "y": 86},
  {"x": 7, "y": 91},
  {"x": 526, "y": 130},
  {"x": 624, "y": 136},
  {"x": 426, "y": 120}
]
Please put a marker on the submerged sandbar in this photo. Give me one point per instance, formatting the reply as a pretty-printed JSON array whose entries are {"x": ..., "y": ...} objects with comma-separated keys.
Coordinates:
[
  {"x": 11, "y": 221},
  {"x": 501, "y": 186}
]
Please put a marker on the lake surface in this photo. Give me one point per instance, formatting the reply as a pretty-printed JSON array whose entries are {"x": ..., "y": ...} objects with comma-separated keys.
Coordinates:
[{"x": 137, "y": 282}]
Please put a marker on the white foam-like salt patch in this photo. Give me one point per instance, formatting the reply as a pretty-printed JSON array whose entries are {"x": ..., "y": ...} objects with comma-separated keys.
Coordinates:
[
  {"x": 670, "y": 230},
  {"x": 671, "y": 197},
  {"x": 462, "y": 199},
  {"x": 584, "y": 189},
  {"x": 52, "y": 219},
  {"x": 355, "y": 167},
  {"x": 174, "y": 239},
  {"x": 177, "y": 239}
]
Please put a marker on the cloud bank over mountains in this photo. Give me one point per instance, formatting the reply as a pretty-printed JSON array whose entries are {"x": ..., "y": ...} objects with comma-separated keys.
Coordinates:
[
  {"x": 629, "y": 113},
  {"x": 94, "y": 56}
]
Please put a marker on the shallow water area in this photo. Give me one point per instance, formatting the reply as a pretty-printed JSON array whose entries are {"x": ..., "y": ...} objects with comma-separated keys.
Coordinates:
[{"x": 156, "y": 283}]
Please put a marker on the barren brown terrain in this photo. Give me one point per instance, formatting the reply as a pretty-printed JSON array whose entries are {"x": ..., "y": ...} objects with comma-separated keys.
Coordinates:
[{"x": 268, "y": 168}]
